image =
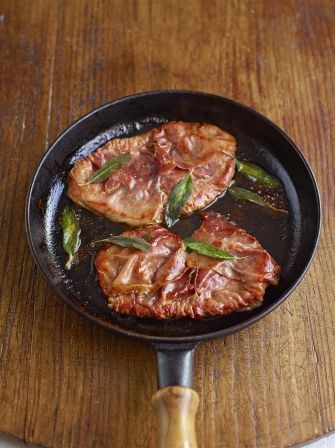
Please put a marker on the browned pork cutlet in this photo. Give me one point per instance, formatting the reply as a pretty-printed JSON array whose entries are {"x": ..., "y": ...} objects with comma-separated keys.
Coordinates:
[
  {"x": 166, "y": 282},
  {"x": 138, "y": 192}
]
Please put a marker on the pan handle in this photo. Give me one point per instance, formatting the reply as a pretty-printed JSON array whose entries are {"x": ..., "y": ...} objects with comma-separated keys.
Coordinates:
[{"x": 176, "y": 402}]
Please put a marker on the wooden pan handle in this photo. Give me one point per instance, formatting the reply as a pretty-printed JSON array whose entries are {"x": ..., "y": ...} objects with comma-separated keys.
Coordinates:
[{"x": 176, "y": 408}]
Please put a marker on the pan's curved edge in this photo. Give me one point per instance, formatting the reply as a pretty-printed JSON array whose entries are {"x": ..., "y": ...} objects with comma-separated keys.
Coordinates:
[{"x": 168, "y": 339}]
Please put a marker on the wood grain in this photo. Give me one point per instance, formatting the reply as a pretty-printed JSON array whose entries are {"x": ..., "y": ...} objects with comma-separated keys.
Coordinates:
[
  {"x": 176, "y": 409},
  {"x": 65, "y": 383}
]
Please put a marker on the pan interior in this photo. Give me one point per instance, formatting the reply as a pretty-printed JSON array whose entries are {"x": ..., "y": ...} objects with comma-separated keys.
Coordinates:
[{"x": 289, "y": 238}]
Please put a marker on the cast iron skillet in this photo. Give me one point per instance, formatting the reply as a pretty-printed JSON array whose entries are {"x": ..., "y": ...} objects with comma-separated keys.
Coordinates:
[{"x": 291, "y": 239}]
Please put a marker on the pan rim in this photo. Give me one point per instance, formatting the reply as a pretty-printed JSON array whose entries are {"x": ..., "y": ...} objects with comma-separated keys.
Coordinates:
[{"x": 175, "y": 339}]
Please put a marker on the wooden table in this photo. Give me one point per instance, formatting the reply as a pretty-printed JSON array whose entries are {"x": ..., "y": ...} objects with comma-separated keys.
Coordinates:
[{"x": 65, "y": 383}]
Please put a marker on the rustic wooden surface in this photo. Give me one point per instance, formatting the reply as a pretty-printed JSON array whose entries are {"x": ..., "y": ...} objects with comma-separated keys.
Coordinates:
[{"x": 65, "y": 383}]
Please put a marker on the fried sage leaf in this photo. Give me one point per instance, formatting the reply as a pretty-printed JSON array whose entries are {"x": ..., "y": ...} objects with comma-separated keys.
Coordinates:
[
  {"x": 207, "y": 249},
  {"x": 177, "y": 199},
  {"x": 256, "y": 173},
  {"x": 71, "y": 234},
  {"x": 108, "y": 168},
  {"x": 242, "y": 193},
  {"x": 146, "y": 235},
  {"x": 126, "y": 241}
]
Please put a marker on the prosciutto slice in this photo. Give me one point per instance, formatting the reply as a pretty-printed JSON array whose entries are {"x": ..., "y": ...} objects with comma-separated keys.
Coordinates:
[
  {"x": 121, "y": 269},
  {"x": 138, "y": 192},
  {"x": 178, "y": 284}
]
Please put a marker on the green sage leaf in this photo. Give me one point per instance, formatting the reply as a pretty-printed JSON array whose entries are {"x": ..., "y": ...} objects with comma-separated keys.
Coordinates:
[
  {"x": 126, "y": 241},
  {"x": 177, "y": 199},
  {"x": 207, "y": 249},
  {"x": 256, "y": 173},
  {"x": 71, "y": 234},
  {"x": 108, "y": 168},
  {"x": 146, "y": 235},
  {"x": 242, "y": 193}
]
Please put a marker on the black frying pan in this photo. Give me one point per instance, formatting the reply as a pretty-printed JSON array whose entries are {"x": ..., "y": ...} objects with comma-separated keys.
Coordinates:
[{"x": 291, "y": 239}]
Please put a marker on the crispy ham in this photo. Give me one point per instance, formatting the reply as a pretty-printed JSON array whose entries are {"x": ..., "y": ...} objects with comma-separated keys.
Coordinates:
[
  {"x": 121, "y": 270},
  {"x": 167, "y": 282},
  {"x": 138, "y": 192}
]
